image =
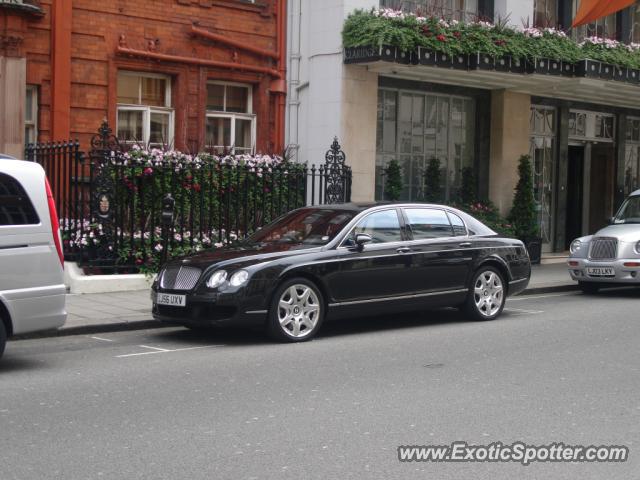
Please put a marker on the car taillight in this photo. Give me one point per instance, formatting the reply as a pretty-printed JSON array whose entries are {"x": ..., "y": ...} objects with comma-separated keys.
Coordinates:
[{"x": 55, "y": 225}]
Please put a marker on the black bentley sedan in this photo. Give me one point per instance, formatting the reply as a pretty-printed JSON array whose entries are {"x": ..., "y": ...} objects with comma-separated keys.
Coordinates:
[{"x": 336, "y": 261}]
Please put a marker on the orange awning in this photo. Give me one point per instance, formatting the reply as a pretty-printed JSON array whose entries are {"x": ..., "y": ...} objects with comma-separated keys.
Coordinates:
[{"x": 591, "y": 10}]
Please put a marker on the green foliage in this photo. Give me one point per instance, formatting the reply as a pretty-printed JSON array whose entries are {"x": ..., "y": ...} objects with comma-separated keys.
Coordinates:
[
  {"x": 468, "y": 193},
  {"x": 433, "y": 182},
  {"x": 376, "y": 28},
  {"x": 393, "y": 180},
  {"x": 523, "y": 214}
]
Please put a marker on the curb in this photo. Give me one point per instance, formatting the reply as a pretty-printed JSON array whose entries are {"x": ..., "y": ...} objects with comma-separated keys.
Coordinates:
[
  {"x": 97, "y": 328},
  {"x": 565, "y": 287}
]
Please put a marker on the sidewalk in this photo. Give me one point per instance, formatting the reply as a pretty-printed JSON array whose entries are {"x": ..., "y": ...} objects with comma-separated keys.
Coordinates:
[{"x": 108, "y": 312}]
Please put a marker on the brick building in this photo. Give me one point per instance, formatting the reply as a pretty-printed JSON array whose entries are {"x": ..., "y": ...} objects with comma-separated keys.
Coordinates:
[{"x": 181, "y": 73}]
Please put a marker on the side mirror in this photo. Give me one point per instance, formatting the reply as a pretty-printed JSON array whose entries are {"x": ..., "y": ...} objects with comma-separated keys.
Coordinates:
[
  {"x": 612, "y": 220},
  {"x": 362, "y": 239}
]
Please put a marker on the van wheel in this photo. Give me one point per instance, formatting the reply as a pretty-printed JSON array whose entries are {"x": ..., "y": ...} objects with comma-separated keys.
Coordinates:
[
  {"x": 296, "y": 312},
  {"x": 3, "y": 337}
]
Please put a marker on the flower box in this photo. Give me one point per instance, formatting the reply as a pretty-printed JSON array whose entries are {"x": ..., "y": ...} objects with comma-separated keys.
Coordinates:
[
  {"x": 404, "y": 56},
  {"x": 503, "y": 64},
  {"x": 588, "y": 68},
  {"x": 540, "y": 65},
  {"x": 620, "y": 73},
  {"x": 606, "y": 71},
  {"x": 567, "y": 69},
  {"x": 460, "y": 61},
  {"x": 388, "y": 53},
  {"x": 481, "y": 61},
  {"x": 633, "y": 75},
  {"x": 444, "y": 60},
  {"x": 426, "y": 56},
  {"x": 519, "y": 65},
  {"x": 554, "y": 67}
]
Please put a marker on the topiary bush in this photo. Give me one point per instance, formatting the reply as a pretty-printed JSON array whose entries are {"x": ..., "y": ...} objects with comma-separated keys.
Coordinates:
[
  {"x": 393, "y": 180},
  {"x": 433, "y": 182},
  {"x": 523, "y": 214}
]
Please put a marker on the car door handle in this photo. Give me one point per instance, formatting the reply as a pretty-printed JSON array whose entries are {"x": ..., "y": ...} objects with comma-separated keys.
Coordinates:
[
  {"x": 465, "y": 244},
  {"x": 403, "y": 250}
]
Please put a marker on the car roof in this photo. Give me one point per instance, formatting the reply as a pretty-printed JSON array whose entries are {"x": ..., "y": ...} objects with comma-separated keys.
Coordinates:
[
  {"x": 633, "y": 194},
  {"x": 4, "y": 156},
  {"x": 361, "y": 206}
]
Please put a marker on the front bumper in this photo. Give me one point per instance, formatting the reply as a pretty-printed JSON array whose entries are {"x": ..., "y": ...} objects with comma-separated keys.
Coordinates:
[
  {"x": 622, "y": 273},
  {"x": 210, "y": 309}
]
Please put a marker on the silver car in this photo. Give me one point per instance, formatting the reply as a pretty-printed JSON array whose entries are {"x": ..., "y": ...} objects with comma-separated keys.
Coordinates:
[{"x": 612, "y": 255}]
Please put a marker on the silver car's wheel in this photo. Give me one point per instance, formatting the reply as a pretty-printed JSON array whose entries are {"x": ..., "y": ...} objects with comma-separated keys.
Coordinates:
[
  {"x": 297, "y": 311},
  {"x": 486, "y": 300}
]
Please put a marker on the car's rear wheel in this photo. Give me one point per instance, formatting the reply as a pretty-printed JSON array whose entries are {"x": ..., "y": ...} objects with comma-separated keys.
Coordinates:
[
  {"x": 3, "y": 337},
  {"x": 488, "y": 294},
  {"x": 296, "y": 312},
  {"x": 589, "y": 288}
]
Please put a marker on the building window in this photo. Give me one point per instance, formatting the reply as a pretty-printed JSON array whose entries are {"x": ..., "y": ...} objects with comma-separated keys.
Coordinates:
[
  {"x": 545, "y": 13},
  {"x": 542, "y": 128},
  {"x": 632, "y": 156},
  {"x": 413, "y": 128},
  {"x": 230, "y": 122},
  {"x": 461, "y": 10},
  {"x": 592, "y": 126},
  {"x": 604, "y": 27},
  {"x": 144, "y": 113},
  {"x": 31, "y": 115},
  {"x": 634, "y": 18}
]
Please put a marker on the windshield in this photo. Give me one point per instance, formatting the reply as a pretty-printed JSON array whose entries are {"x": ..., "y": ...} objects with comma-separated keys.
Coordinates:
[
  {"x": 307, "y": 226},
  {"x": 629, "y": 211}
]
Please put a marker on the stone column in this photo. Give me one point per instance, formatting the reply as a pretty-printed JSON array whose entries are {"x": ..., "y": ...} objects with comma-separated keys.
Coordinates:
[
  {"x": 13, "y": 85},
  {"x": 509, "y": 139}
]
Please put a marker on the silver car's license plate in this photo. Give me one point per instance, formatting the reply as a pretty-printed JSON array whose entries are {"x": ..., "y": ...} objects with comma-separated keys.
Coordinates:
[
  {"x": 171, "y": 300},
  {"x": 601, "y": 272}
]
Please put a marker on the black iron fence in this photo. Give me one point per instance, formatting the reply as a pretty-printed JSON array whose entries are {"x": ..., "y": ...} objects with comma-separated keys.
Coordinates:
[{"x": 111, "y": 204}]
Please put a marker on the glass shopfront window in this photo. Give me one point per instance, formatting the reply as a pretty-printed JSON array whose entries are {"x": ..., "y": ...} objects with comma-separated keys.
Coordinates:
[
  {"x": 632, "y": 156},
  {"x": 542, "y": 151},
  {"x": 415, "y": 127}
]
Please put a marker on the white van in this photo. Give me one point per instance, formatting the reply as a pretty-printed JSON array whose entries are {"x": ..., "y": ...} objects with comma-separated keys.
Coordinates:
[{"x": 32, "y": 291}]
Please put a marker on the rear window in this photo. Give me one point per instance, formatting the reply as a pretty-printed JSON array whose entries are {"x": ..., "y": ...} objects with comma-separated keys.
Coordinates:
[{"x": 15, "y": 206}]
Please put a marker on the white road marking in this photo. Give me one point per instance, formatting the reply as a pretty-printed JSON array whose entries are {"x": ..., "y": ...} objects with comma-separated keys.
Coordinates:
[
  {"x": 520, "y": 310},
  {"x": 154, "y": 348},
  {"x": 102, "y": 339},
  {"x": 529, "y": 297},
  {"x": 166, "y": 351}
]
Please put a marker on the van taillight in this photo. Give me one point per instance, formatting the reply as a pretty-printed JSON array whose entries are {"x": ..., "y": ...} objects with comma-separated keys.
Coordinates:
[{"x": 55, "y": 225}]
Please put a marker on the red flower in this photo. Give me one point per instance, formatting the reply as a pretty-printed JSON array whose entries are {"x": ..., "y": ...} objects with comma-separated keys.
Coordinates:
[
  {"x": 441, "y": 38},
  {"x": 139, "y": 261},
  {"x": 197, "y": 187},
  {"x": 457, "y": 34},
  {"x": 500, "y": 42}
]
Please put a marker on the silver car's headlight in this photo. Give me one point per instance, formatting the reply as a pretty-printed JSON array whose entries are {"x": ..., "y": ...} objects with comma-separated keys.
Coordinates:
[
  {"x": 217, "y": 279},
  {"x": 637, "y": 247},
  {"x": 239, "y": 278},
  {"x": 575, "y": 246}
]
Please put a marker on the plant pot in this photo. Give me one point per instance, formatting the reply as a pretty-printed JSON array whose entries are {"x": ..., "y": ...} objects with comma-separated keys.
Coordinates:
[
  {"x": 426, "y": 56},
  {"x": 540, "y": 65},
  {"x": 481, "y": 61},
  {"x": 567, "y": 69},
  {"x": 403, "y": 56},
  {"x": 444, "y": 60},
  {"x": 361, "y": 54},
  {"x": 503, "y": 64},
  {"x": 588, "y": 68},
  {"x": 519, "y": 65},
  {"x": 620, "y": 73},
  {"x": 606, "y": 71},
  {"x": 534, "y": 248},
  {"x": 388, "y": 53}
]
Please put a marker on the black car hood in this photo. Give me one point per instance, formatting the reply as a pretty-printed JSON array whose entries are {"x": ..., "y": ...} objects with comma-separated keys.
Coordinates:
[{"x": 244, "y": 254}]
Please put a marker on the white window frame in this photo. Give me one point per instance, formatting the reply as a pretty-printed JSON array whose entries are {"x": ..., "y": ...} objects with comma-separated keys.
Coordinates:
[
  {"x": 233, "y": 116},
  {"x": 147, "y": 110},
  {"x": 33, "y": 124}
]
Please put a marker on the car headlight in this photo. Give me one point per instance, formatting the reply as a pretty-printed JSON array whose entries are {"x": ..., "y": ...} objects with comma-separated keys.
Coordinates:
[
  {"x": 637, "y": 247},
  {"x": 239, "y": 278},
  {"x": 217, "y": 279},
  {"x": 575, "y": 246}
]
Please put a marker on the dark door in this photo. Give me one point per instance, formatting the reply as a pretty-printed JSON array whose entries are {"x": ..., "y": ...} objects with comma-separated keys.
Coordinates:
[
  {"x": 377, "y": 271},
  {"x": 575, "y": 189},
  {"x": 601, "y": 186},
  {"x": 441, "y": 252}
]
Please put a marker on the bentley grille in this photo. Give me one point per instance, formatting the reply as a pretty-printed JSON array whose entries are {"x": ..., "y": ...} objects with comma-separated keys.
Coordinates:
[
  {"x": 603, "y": 248},
  {"x": 179, "y": 278}
]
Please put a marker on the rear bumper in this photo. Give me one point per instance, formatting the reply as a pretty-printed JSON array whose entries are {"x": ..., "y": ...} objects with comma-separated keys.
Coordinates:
[
  {"x": 623, "y": 274},
  {"x": 36, "y": 309}
]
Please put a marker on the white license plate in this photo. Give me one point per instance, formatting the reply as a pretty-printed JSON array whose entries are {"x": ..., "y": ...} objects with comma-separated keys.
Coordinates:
[
  {"x": 172, "y": 300},
  {"x": 601, "y": 272}
]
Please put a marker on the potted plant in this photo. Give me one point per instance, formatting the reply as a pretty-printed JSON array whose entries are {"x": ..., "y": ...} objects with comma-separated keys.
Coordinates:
[
  {"x": 432, "y": 181},
  {"x": 393, "y": 180},
  {"x": 523, "y": 214}
]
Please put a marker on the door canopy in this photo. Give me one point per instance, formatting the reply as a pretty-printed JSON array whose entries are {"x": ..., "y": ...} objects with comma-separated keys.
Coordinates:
[{"x": 591, "y": 10}]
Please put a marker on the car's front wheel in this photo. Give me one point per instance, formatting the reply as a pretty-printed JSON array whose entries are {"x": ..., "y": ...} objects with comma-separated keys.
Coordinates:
[
  {"x": 296, "y": 312},
  {"x": 589, "y": 288},
  {"x": 487, "y": 296}
]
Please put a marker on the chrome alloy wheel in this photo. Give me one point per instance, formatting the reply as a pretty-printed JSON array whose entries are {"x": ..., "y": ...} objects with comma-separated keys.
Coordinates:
[
  {"x": 488, "y": 293},
  {"x": 298, "y": 310}
]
